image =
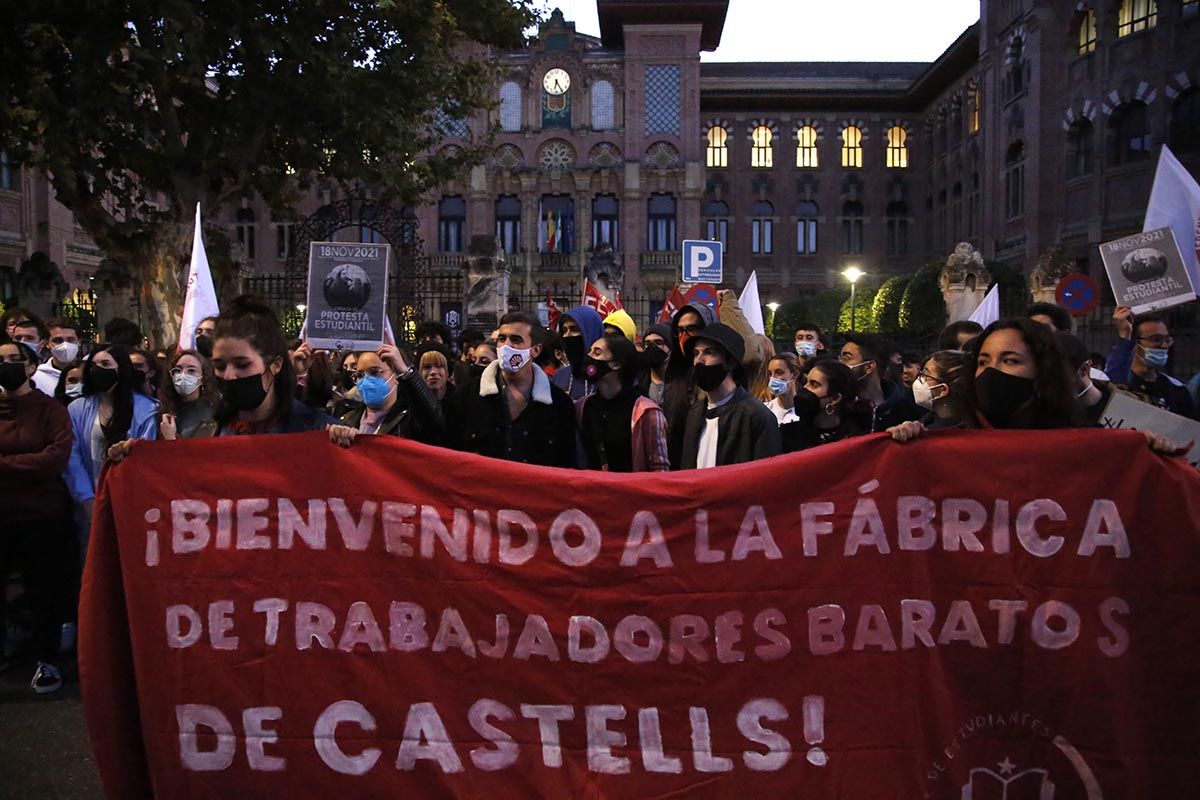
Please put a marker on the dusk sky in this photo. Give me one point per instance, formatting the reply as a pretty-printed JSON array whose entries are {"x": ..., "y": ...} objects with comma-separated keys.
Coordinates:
[{"x": 803, "y": 30}]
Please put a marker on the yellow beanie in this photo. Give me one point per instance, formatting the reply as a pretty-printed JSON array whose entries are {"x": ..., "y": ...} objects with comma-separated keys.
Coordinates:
[{"x": 619, "y": 319}]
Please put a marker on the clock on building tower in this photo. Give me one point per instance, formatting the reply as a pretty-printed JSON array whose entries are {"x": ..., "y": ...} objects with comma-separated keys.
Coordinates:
[{"x": 556, "y": 99}]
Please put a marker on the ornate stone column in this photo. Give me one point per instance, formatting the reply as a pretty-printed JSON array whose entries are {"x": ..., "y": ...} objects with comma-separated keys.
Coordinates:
[
  {"x": 964, "y": 282},
  {"x": 1052, "y": 266}
]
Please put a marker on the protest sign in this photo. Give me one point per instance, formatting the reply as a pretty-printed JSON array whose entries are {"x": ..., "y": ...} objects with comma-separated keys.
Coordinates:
[
  {"x": 347, "y": 295},
  {"x": 1126, "y": 411},
  {"x": 1147, "y": 271},
  {"x": 954, "y": 617}
]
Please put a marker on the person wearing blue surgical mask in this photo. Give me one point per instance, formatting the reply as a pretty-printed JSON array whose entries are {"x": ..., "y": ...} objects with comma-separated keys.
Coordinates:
[
  {"x": 807, "y": 341},
  {"x": 394, "y": 401},
  {"x": 782, "y": 372},
  {"x": 1139, "y": 361}
]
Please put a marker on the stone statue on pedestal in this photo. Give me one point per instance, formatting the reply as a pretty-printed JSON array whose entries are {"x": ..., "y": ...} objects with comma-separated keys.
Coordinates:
[
  {"x": 964, "y": 281},
  {"x": 485, "y": 283},
  {"x": 604, "y": 270}
]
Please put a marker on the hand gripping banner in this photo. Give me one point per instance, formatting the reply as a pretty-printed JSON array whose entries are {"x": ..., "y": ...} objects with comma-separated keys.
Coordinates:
[{"x": 972, "y": 615}]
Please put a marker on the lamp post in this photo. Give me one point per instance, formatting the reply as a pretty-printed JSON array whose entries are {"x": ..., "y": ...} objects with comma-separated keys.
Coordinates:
[
  {"x": 772, "y": 307},
  {"x": 852, "y": 274}
]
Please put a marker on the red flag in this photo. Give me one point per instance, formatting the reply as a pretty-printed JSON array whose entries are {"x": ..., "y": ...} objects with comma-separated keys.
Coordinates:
[
  {"x": 553, "y": 312},
  {"x": 597, "y": 299},
  {"x": 675, "y": 301}
]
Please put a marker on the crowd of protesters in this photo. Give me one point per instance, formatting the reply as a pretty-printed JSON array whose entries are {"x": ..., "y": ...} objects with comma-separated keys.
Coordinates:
[{"x": 593, "y": 393}]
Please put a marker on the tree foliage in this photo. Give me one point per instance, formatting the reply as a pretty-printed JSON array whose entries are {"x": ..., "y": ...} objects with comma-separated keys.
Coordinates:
[
  {"x": 863, "y": 318},
  {"x": 886, "y": 308},
  {"x": 140, "y": 110},
  {"x": 923, "y": 308},
  {"x": 825, "y": 308}
]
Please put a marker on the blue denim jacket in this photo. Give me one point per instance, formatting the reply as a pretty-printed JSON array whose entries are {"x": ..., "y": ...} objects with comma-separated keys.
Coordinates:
[{"x": 81, "y": 472}]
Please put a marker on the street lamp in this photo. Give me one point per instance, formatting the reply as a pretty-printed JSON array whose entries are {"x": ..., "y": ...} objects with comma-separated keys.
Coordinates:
[
  {"x": 852, "y": 274},
  {"x": 770, "y": 324},
  {"x": 301, "y": 307},
  {"x": 773, "y": 306}
]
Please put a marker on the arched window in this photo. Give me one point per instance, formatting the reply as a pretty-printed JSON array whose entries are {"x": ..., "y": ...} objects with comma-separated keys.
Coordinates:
[
  {"x": 762, "y": 227},
  {"x": 806, "y": 147},
  {"x": 452, "y": 223},
  {"x": 806, "y": 228},
  {"x": 716, "y": 222},
  {"x": 1129, "y": 134},
  {"x": 510, "y": 106},
  {"x": 1184, "y": 135},
  {"x": 1014, "y": 180},
  {"x": 602, "y": 105},
  {"x": 1014, "y": 75},
  {"x": 956, "y": 122},
  {"x": 367, "y": 232},
  {"x": 1087, "y": 35},
  {"x": 852, "y": 227},
  {"x": 508, "y": 222},
  {"x": 897, "y": 229},
  {"x": 852, "y": 147},
  {"x": 1136, "y": 15},
  {"x": 1079, "y": 148},
  {"x": 605, "y": 220},
  {"x": 718, "y": 147},
  {"x": 761, "y": 154},
  {"x": 246, "y": 222},
  {"x": 660, "y": 232},
  {"x": 897, "y": 148}
]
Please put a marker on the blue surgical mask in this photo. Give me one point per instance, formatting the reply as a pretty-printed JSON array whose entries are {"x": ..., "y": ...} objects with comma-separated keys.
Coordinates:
[
  {"x": 374, "y": 391},
  {"x": 1155, "y": 356},
  {"x": 806, "y": 349},
  {"x": 778, "y": 386}
]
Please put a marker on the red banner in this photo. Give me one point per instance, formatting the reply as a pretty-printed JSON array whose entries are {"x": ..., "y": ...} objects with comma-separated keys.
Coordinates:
[
  {"x": 973, "y": 615},
  {"x": 592, "y": 296}
]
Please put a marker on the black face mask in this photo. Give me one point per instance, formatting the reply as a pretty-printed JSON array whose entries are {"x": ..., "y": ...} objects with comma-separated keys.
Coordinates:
[
  {"x": 477, "y": 370},
  {"x": 654, "y": 356},
  {"x": 709, "y": 376},
  {"x": 573, "y": 347},
  {"x": 12, "y": 376},
  {"x": 1001, "y": 396},
  {"x": 243, "y": 394},
  {"x": 594, "y": 369},
  {"x": 97, "y": 380},
  {"x": 807, "y": 404},
  {"x": 204, "y": 345},
  {"x": 346, "y": 379}
]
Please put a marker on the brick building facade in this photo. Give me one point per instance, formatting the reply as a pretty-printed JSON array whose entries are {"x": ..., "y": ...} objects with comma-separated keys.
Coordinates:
[{"x": 1038, "y": 126}]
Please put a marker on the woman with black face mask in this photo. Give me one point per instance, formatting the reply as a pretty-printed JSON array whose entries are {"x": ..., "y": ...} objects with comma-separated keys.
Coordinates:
[
  {"x": 38, "y": 537},
  {"x": 110, "y": 411},
  {"x": 255, "y": 376},
  {"x": 621, "y": 430},
  {"x": 827, "y": 407}
]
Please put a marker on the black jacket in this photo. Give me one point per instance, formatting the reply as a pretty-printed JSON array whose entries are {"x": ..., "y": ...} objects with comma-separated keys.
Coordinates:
[
  {"x": 415, "y": 415},
  {"x": 746, "y": 431},
  {"x": 543, "y": 434},
  {"x": 897, "y": 406}
]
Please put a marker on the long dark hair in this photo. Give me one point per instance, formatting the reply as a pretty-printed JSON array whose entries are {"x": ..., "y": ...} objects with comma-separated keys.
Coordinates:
[
  {"x": 957, "y": 372},
  {"x": 169, "y": 399},
  {"x": 624, "y": 352},
  {"x": 841, "y": 380},
  {"x": 117, "y": 428},
  {"x": 60, "y": 388},
  {"x": 249, "y": 318},
  {"x": 1053, "y": 404}
]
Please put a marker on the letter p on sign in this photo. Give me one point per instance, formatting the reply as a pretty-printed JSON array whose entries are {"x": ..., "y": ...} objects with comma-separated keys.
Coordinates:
[{"x": 701, "y": 261}]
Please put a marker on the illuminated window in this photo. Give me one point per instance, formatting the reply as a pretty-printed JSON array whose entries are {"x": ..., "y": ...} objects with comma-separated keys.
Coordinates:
[
  {"x": 1136, "y": 15},
  {"x": 806, "y": 147},
  {"x": 510, "y": 106},
  {"x": 761, "y": 153},
  {"x": 806, "y": 228},
  {"x": 974, "y": 108},
  {"x": 897, "y": 148},
  {"x": 852, "y": 147},
  {"x": 1087, "y": 32},
  {"x": 718, "y": 148}
]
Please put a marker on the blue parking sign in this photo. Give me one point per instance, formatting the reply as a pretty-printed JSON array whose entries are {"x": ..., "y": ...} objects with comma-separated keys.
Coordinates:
[{"x": 701, "y": 261}]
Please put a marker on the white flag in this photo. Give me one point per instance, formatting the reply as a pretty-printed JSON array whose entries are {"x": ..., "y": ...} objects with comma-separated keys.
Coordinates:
[
  {"x": 1175, "y": 204},
  {"x": 989, "y": 310},
  {"x": 751, "y": 306},
  {"x": 201, "y": 299}
]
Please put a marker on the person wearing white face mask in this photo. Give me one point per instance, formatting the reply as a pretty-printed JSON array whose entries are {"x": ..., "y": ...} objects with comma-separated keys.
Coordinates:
[
  {"x": 64, "y": 350},
  {"x": 940, "y": 388},
  {"x": 70, "y": 384},
  {"x": 782, "y": 372},
  {"x": 807, "y": 341},
  {"x": 512, "y": 411},
  {"x": 187, "y": 400}
]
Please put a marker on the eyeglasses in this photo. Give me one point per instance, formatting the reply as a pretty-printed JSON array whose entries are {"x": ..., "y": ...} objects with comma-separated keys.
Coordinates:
[
  {"x": 845, "y": 357},
  {"x": 177, "y": 371},
  {"x": 1158, "y": 340},
  {"x": 373, "y": 372},
  {"x": 690, "y": 329}
]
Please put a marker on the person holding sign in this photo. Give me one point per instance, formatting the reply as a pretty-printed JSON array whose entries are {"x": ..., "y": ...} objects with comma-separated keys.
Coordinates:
[
  {"x": 395, "y": 401},
  {"x": 1139, "y": 358}
]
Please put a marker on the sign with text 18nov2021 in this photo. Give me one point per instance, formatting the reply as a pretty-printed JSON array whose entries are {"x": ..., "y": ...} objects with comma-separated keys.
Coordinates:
[
  {"x": 862, "y": 620},
  {"x": 347, "y": 295},
  {"x": 1147, "y": 271}
]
